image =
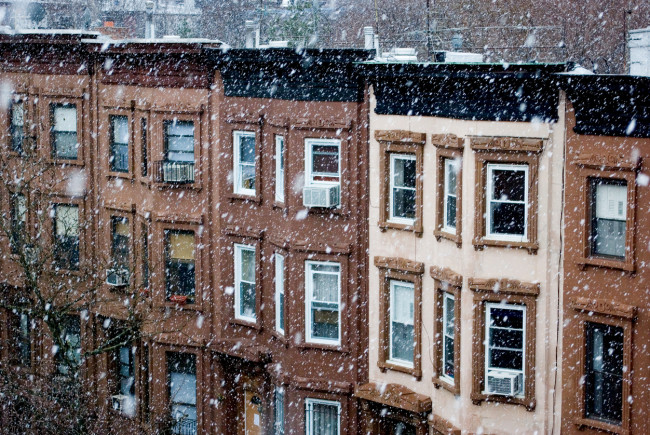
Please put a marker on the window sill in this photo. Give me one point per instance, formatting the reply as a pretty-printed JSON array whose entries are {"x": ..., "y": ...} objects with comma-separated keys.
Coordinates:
[
  {"x": 322, "y": 346},
  {"x": 282, "y": 338},
  {"x": 385, "y": 365},
  {"x": 255, "y": 324},
  {"x": 454, "y": 237},
  {"x": 66, "y": 162},
  {"x": 453, "y": 388},
  {"x": 161, "y": 185},
  {"x": 415, "y": 228},
  {"x": 626, "y": 265},
  {"x": 481, "y": 242},
  {"x": 584, "y": 423},
  {"x": 526, "y": 402},
  {"x": 245, "y": 197},
  {"x": 123, "y": 175}
]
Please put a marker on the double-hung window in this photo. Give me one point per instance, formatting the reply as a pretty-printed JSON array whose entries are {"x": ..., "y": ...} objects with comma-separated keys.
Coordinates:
[
  {"x": 126, "y": 380},
  {"x": 402, "y": 188},
  {"x": 119, "y": 158},
  {"x": 448, "y": 335},
  {"x": 245, "y": 306},
  {"x": 323, "y": 316},
  {"x": 17, "y": 114},
  {"x": 178, "y": 166},
  {"x": 179, "y": 264},
  {"x": 244, "y": 161},
  {"x": 20, "y": 338},
  {"x": 279, "y": 293},
  {"x": 451, "y": 168},
  {"x": 279, "y": 168},
  {"x": 608, "y": 217},
  {"x": 278, "y": 423},
  {"x": 604, "y": 372},
  {"x": 507, "y": 202},
  {"x": 66, "y": 238},
  {"x": 71, "y": 337},
  {"x": 402, "y": 333},
  {"x": 18, "y": 222},
  {"x": 181, "y": 368},
  {"x": 120, "y": 248},
  {"x": 322, "y": 161},
  {"x": 63, "y": 133},
  {"x": 505, "y": 348},
  {"x": 322, "y": 417}
]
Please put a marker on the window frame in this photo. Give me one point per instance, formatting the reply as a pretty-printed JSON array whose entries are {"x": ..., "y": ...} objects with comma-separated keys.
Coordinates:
[
  {"x": 278, "y": 417},
  {"x": 309, "y": 290},
  {"x": 448, "y": 147},
  {"x": 238, "y": 249},
  {"x": 399, "y": 269},
  {"x": 309, "y": 402},
  {"x": 280, "y": 288},
  {"x": 505, "y": 151},
  {"x": 399, "y": 142},
  {"x": 197, "y": 390},
  {"x": 22, "y": 101},
  {"x": 18, "y": 223},
  {"x": 309, "y": 173},
  {"x": 52, "y": 106},
  {"x": 593, "y": 205},
  {"x": 191, "y": 299},
  {"x": 491, "y": 167},
  {"x": 393, "y": 283},
  {"x": 510, "y": 292},
  {"x": 56, "y": 244},
  {"x": 447, "y": 283},
  {"x": 237, "y": 180},
  {"x": 280, "y": 169},
  {"x": 391, "y": 195},
  {"x": 112, "y": 118}
]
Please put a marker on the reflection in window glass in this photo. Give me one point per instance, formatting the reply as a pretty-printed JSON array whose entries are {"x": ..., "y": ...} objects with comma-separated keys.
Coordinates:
[
  {"x": 608, "y": 217},
  {"x": 64, "y": 131},
  {"x": 402, "y": 188},
  {"x": 507, "y": 212},
  {"x": 604, "y": 373}
]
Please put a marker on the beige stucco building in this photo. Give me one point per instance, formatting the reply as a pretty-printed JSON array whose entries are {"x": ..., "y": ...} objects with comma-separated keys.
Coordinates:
[{"x": 464, "y": 244}]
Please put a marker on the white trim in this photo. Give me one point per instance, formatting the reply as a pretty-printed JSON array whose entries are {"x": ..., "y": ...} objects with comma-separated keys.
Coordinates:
[
  {"x": 279, "y": 291},
  {"x": 309, "y": 144},
  {"x": 446, "y": 297},
  {"x": 309, "y": 408},
  {"x": 513, "y": 307},
  {"x": 237, "y": 165},
  {"x": 309, "y": 288},
  {"x": 448, "y": 165},
  {"x": 239, "y": 249},
  {"x": 488, "y": 200},
  {"x": 279, "y": 168},
  {"x": 397, "y": 361},
  {"x": 391, "y": 217}
]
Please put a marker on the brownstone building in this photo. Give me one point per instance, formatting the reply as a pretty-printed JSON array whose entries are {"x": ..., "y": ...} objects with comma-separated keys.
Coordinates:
[
  {"x": 228, "y": 189},
  {"x": 606, "y": 304}
]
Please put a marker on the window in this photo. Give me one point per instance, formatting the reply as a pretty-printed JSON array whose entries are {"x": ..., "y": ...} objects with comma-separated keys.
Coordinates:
[
  {"x": 120, "y": 245},
  {"x": 244, "y": 158},
  {"x": 143, "y": 147},
  {"x": 279, "y": 411},
  {"x": 126, "y": 380},
  {"x": 64, "y": 131},
  {"x": 608, "y": 217},
  {"x": 145, "y": 255},
  {"x": 402, "y": 333},
  {"x": 179, "y": 266},
  {"x": 71, "y": 354},
  {"x": 448, "y": 337},
  {"x": 322, "y": 161},
  {"x": 179, "y": 141},
  {"x": 400, "y": 297},
  {"x": 322, "y": 417},
  {"x": 604, "y": 373},
  {"x": 505, "y": 352},
  {"x": 402, "y": 188},
  {"x": 119, "y": 159},
  {"x": 20, "y": 339},
  {"x": 245, "y": 303},
  {"x": 400, "y": 180},
  {"x": 323, "y": 317},
  {"x": 279, "y": 293},
  {"x": 66, "y": 239},
  {"x": 18, "y": 222},
  {"x": 182, "y": 391},
  {"x": 279, "y": 168},
  {"x": 449, "y": 157},
  {"x": 507, "y": 207},
  {"x": 451, "y": 167},
  {"x": 446, "y": 345},
  {"x": 17, "y": 126}
]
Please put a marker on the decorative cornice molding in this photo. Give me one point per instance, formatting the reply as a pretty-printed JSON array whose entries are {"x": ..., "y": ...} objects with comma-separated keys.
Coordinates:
[
  {"x": 512, "y": 144},
  {"x": 403, "y": 136},
  {"x": 600, "y": 306},
  {"x": 607, "y": 161},
  {"x": 504, "y": 286},
  {"x": 447, "y": 141},
  {"x": 400, "y": 264},
  {"x": 446, "y": 275},
  {"x": 235, "y": 230}
]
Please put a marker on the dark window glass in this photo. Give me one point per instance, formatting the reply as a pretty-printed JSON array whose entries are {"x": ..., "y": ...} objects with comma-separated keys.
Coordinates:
[
  {"x": 120, "y": 243},
  {"x": 17, "y": 126},
  {"x": 145, "y": 155},
  {"x": 18, "y": 222},
  {"x": 64, "y": 131},
  {"x": 20, "y": 339},
  {"x": 507, "y": 200},
  {"x": 71, "y": 335},
  {"x": 403, "y": 176},
  {"x": 505, "y": 338},
  {"x": 604, "y": 373},
  {"x": 448, "y": 325},
  {"x": 179, "y": 267},
  {"x": 66, "y": 236},
  {"x": 119, "y": 159},
  {"x": 181, "y": 369},
  {"x": 608, "y": 217}
]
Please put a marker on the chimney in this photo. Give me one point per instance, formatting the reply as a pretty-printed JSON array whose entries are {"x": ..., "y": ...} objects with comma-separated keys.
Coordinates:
[
  {"x": 252, "y": 33},
  {"x": 369, "y": 38}
]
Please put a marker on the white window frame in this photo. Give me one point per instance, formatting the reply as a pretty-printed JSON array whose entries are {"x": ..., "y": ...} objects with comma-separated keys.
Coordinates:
[
  {"x": 491, "y": 167},
  {"x": 309, "y": 144},
  {"x": 446, "y": 297},
  {"x": 391, "y": 217},
  {"x": 608, "y": 210},
  {"x": 391, "y": 359},
  {"x": 513, "y": 307},
  {"x": 279, "y": 168},
  {"x": 237, "y": 164},
  {"x": 239, "y": 248},
  {"x": 279, "y": 292},
  {"x": 279, "y": 398},
  {"x": 309, "y": 288},
  {"x": 450, "y": 164},
  {"x": 309, "y": 412}
]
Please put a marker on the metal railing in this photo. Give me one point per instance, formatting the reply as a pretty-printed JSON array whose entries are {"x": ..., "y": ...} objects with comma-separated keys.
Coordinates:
[{"x": 184, "y": 427}]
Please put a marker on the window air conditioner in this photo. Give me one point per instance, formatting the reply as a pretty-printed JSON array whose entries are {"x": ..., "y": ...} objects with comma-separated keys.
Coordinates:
[
  {"x": 178, "y": 172},
  {"x": 118, "y": 402},
  {"x": 117, "y": 277},
  {"x": 321, "y": 196},
  {"x": 504, "y": 383}
]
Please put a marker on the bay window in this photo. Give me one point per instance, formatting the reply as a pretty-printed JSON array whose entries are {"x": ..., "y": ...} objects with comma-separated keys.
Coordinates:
[
  {"x": 245, "y": 294},
  {"x": 179, "y": 265},
  {"x": 323, "y": 287},
  {"x": 63, "y": 134},
  {"x": 244, "y": 162}
]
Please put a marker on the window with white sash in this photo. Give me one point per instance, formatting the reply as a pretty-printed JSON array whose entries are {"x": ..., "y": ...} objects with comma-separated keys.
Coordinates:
[
  {"x": 402, "y": 188},
  {"x": 448, "y": 336},
  {"x": 402, "y": 334},
  {"x": 323, "y": 316},
  {"x": 245, "y": 307},
  {"x": 322, "y": 161},
  {"x": 451, "y": 167},
  {"x": 322, "y": 417},
  {"x": 63, "y": 133},
  {"x": 507, "y": 202},
  {"x": 279, "y": 293},
  {"x": 505, "y": 339},
  {"x": 608, "y": 217},
  {"x": 279, "y": 168}
]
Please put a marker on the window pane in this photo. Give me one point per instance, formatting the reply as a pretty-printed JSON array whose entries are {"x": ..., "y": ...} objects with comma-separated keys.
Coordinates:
[
  {"x": 506, "y": 318},
  {"x": 507, "y": 218},
  {"x": 404, "y": 203},
  {"x": 508, "y": 185},
  {"x": 450, "y": 216},
  {"x": 279, "y": 411},
  {"x": 448, "y": 362},
  {"x": 120, "y": 129},
  {"x": 247, "y": 176},
  {"x": 181, "y": 245},
  {"x": 506, "y": 359},
  {"x": 325, "y": 321},
  {"x": 17, "y": 126},
  {"x": 325, "y": 159},
  {"x": 179, "y": 140},
  {"x": 404, "y": 172},
  {"x": 507, "y": 338},
  {"x": 247, "y": 299},
  {"x": 402, "y": 307},
  {"x": 402, "y": 314},
  {"x": 449, "y": 316},
  {"x": 247, "y": 149},
  {"x": 604, "y": 372},
  {"x": 65, "y": 118},
  {"x": 64, "y": 131},
  {"x": 326, "y": 287},
  {"x": 402, "y": 341},
  {"x": 248, "y": 265},
  {"x": 324, "y": 419},
  {"x": 609, "y": 211}
]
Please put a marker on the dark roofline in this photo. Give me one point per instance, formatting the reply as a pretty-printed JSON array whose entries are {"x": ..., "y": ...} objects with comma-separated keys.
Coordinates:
[
  {"x": 265, "y": 55},
  {"x": 375, "y": 70}
]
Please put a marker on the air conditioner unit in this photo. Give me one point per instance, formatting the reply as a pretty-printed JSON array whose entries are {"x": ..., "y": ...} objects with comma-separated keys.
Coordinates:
[
  {"x": 117, "y": 277},
  {"x": 178, "y": 172},
  {"x": 118, "y": 402},
  {"x": 321, "y": 196},
  {"x": 504, "y": 383}
]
